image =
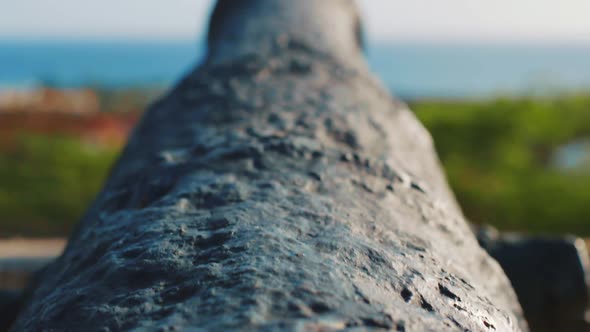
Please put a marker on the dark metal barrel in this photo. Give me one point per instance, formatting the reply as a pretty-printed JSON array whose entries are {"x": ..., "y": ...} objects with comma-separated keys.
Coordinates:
[{"x": 278, "y": 186}]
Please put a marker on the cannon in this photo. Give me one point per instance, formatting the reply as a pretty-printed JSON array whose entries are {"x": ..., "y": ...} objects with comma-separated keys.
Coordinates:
[{"x": 277, "y": 186}]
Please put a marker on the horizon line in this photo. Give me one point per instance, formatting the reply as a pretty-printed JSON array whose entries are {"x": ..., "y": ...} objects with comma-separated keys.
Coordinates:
[{"x": 374, "y": 40}]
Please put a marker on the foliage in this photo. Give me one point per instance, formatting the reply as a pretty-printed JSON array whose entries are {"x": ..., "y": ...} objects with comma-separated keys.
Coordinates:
[
  {"x": 498, "y": 157},
  {"x": 46, "y": 183}
]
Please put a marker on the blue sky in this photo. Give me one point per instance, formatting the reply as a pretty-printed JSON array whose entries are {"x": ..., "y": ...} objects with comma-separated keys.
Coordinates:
[{"x": 565, "y": 21}]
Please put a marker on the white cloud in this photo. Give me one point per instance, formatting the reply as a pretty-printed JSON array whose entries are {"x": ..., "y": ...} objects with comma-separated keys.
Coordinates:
[
  {"x": 565, "y": 20},
  {"x": 552, "y": 20},
  {"x": 105, "y": 18}
]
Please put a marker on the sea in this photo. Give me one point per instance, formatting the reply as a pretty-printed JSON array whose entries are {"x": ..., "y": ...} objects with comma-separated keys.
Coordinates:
[{"x": 409, "y": 70}]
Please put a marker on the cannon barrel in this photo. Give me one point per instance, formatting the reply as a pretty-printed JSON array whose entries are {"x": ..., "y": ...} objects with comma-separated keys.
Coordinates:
[{"x": 278, "y": 186}]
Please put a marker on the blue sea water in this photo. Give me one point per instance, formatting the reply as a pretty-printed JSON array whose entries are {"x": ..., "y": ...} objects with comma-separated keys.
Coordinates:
[{"x": 409, "y": 70}]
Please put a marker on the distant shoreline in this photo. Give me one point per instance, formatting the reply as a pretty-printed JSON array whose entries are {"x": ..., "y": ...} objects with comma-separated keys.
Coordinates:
[{"x": 412, "y": 70}]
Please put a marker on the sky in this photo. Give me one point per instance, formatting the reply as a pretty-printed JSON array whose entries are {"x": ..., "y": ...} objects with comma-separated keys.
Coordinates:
[{"x": 547, "y": 21}]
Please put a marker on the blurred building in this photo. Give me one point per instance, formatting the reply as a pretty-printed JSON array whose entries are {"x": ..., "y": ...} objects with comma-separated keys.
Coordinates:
[{"x": 49, "y": 100}]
